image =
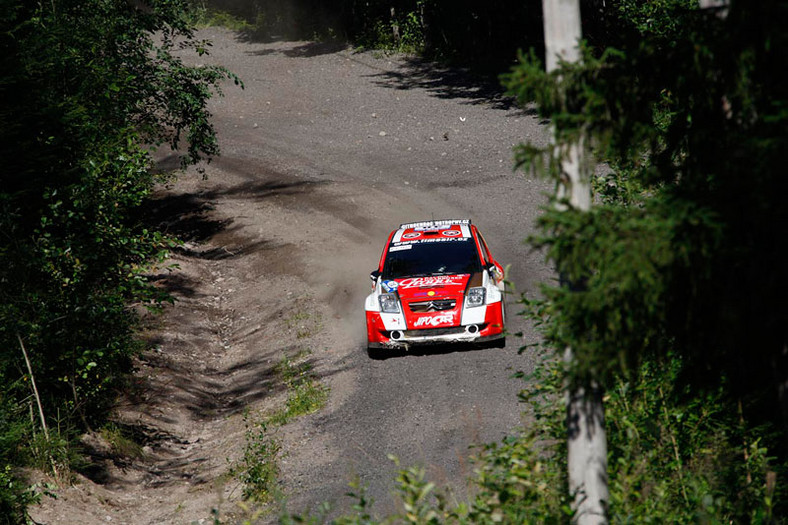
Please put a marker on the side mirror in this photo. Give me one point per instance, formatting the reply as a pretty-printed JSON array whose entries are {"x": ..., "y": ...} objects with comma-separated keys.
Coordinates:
[
  {"x": 374, "y": 275},
  {"x": 494, "y": 272}
]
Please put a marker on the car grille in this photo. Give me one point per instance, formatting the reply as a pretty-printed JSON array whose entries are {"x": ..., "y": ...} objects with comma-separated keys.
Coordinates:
[
  {"x": 430, "y": 332},
  {"x": 436, "y": 305}
]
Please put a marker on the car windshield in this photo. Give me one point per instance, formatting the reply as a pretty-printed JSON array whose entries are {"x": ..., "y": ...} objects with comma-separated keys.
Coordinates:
[{"x": 438, "y": 258}]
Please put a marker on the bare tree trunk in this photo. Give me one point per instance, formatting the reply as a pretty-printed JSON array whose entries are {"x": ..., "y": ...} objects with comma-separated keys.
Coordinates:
[
  {"x": 561, "y": 31},
  {"x": 586, "y": 439},
  {"x": 425, "y": 26},
  {"x": 719, "y": 6},
  {"x": 35, "y": 389},
  {"x": 587, "y": 455},
  {"x": 394, "y": 26},
  {"x": 47, "y": 451}
]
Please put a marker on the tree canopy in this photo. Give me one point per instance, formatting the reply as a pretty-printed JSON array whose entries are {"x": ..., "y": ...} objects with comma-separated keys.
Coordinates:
[{"x": 681, "y": 250}]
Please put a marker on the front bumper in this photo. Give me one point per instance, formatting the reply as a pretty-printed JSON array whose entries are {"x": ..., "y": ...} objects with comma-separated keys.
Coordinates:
[{"x": 491, "y": 329}]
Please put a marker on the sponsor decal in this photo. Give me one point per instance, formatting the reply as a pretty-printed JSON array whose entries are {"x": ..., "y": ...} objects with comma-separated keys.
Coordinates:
[
  {"x": 433, "y": 224},
  {"x": 434, "y": 228},
  {"x": 451, "y": 233},
  {"x": 411, "y": 235},
  {"x": 431, "y": 239},
  {"x": 434, "y": 320},
  {"x": 390, "y": 286},
  {"x": 437, "y": 280},
  {"x": 431, "y": 293},
  {"x": 400, "y": 248}
]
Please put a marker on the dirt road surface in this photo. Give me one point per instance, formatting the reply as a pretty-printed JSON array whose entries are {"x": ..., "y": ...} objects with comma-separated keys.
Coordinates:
[{"x": 323, "y": 153}]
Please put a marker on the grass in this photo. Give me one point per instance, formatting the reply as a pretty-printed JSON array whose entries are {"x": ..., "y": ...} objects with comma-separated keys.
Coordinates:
[
  {"x": 121, "y": 444},
  {"x": 258, "y": 469},
  {"x": 305, "y": 395},
  {"x": 202, "y": 16}
]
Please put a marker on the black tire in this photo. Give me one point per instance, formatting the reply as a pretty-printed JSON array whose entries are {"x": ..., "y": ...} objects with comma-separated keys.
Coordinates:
[{"x": 375, "y": 353}]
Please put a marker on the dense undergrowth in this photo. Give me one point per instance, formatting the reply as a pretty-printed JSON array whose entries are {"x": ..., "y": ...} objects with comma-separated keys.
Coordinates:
[{"x": 673, "y": 456}]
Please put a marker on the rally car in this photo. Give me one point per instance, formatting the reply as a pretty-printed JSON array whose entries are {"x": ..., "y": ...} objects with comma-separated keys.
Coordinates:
[{"x": 436, "y": 282}]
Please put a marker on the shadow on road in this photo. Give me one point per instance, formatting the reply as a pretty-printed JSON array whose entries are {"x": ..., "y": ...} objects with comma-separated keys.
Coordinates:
[
  {"x": 313, "y": 49},
  {"x": 378, "y": 354},
  {"x": 190, "y": 219},
  {"x": 304, "y": 49},
  {"x": 413, "y": 72},
  {"x": 446, "y": 82}
]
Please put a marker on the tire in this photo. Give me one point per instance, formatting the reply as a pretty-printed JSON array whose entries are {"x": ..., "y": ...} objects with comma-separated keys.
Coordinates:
[{"x": 375, "y": 353}]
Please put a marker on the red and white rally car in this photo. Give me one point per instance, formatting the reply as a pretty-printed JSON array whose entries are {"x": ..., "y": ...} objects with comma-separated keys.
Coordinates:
[{"x": 436, "y": 282}]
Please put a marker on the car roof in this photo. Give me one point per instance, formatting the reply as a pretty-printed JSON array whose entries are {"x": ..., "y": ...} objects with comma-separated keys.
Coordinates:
[
  {"x": 432, "y": 231},
  {"x": 436, "y": 224}
]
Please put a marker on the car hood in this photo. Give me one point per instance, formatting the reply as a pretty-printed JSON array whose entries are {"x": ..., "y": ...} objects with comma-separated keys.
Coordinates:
[
  {"x": 434, "y": 301},
  {"x": 432, "y": 287}
]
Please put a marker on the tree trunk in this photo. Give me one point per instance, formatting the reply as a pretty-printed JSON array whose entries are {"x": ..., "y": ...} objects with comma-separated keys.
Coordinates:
[
  {"x": 719, "y": 6},
  {"x": 394, "y": 26},
  {"x": 586, "y": 439},
  {"x": 561, "y": 31},
  {"x": 586, "y": 454}
]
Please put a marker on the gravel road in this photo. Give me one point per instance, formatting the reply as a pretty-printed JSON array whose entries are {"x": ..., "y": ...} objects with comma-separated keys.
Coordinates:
[{"x": 323, "y": 153}]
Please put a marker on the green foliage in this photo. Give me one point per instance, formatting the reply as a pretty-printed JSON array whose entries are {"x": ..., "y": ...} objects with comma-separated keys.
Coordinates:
[
  {"x": 361, "y": 509},
  {"x": 679, "y": 256},
  {"x": 680, "y": 457},
  {"x": 657, "y": 19},
  {"x": 305, "y": 394},
  {"x": 523, "y": 479},
  {"x": 15, "y": 495},
  {"x": 677, "y": 264},
  {"x": 412, "y": 32},
  {"x": 403, "y": 32},
  {"x": 121, "y": 444},
  {"x": 481, "y": 34},
  {"x": 89, "y": 89},
  {"x": 258, "y": 469},
  {"x": 200, "y": 15}
]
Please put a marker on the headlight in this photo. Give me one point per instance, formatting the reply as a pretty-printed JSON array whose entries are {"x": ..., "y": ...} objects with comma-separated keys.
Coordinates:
[
  {"x": 389, "y": 303},
  {"x": 475, "y": 297}
]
